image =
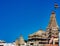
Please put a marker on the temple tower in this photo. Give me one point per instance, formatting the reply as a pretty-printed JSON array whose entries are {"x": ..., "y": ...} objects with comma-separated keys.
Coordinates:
[
  {"x": 20, "y": 42},
  {"x": 52, "y": 29}
]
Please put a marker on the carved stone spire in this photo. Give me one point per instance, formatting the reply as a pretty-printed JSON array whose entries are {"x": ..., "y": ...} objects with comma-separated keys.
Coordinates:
[
  {"x": 52, "y": 28},
  {"x": 21, "y": 40},
  {"x": 52, "y": 22}
]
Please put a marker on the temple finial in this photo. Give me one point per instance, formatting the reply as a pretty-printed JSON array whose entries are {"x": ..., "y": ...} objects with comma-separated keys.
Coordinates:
[{"x": 53, "y": 12}]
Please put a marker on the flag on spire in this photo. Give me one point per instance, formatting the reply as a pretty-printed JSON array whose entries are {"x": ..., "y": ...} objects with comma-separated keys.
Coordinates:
[{"x": 56, "y": 5}]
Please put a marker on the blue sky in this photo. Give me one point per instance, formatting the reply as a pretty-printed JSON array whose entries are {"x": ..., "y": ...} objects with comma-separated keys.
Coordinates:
[{"x": 25, "y": 17}]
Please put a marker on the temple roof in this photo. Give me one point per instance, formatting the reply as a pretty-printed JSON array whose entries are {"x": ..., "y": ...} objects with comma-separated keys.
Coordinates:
[
  {"x": 39, "y": 32},
  {"x": 52, "y": 22}
]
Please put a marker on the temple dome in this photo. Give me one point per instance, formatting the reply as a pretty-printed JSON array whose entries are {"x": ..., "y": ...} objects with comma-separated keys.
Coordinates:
[{"x": 39, "y": 32}]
